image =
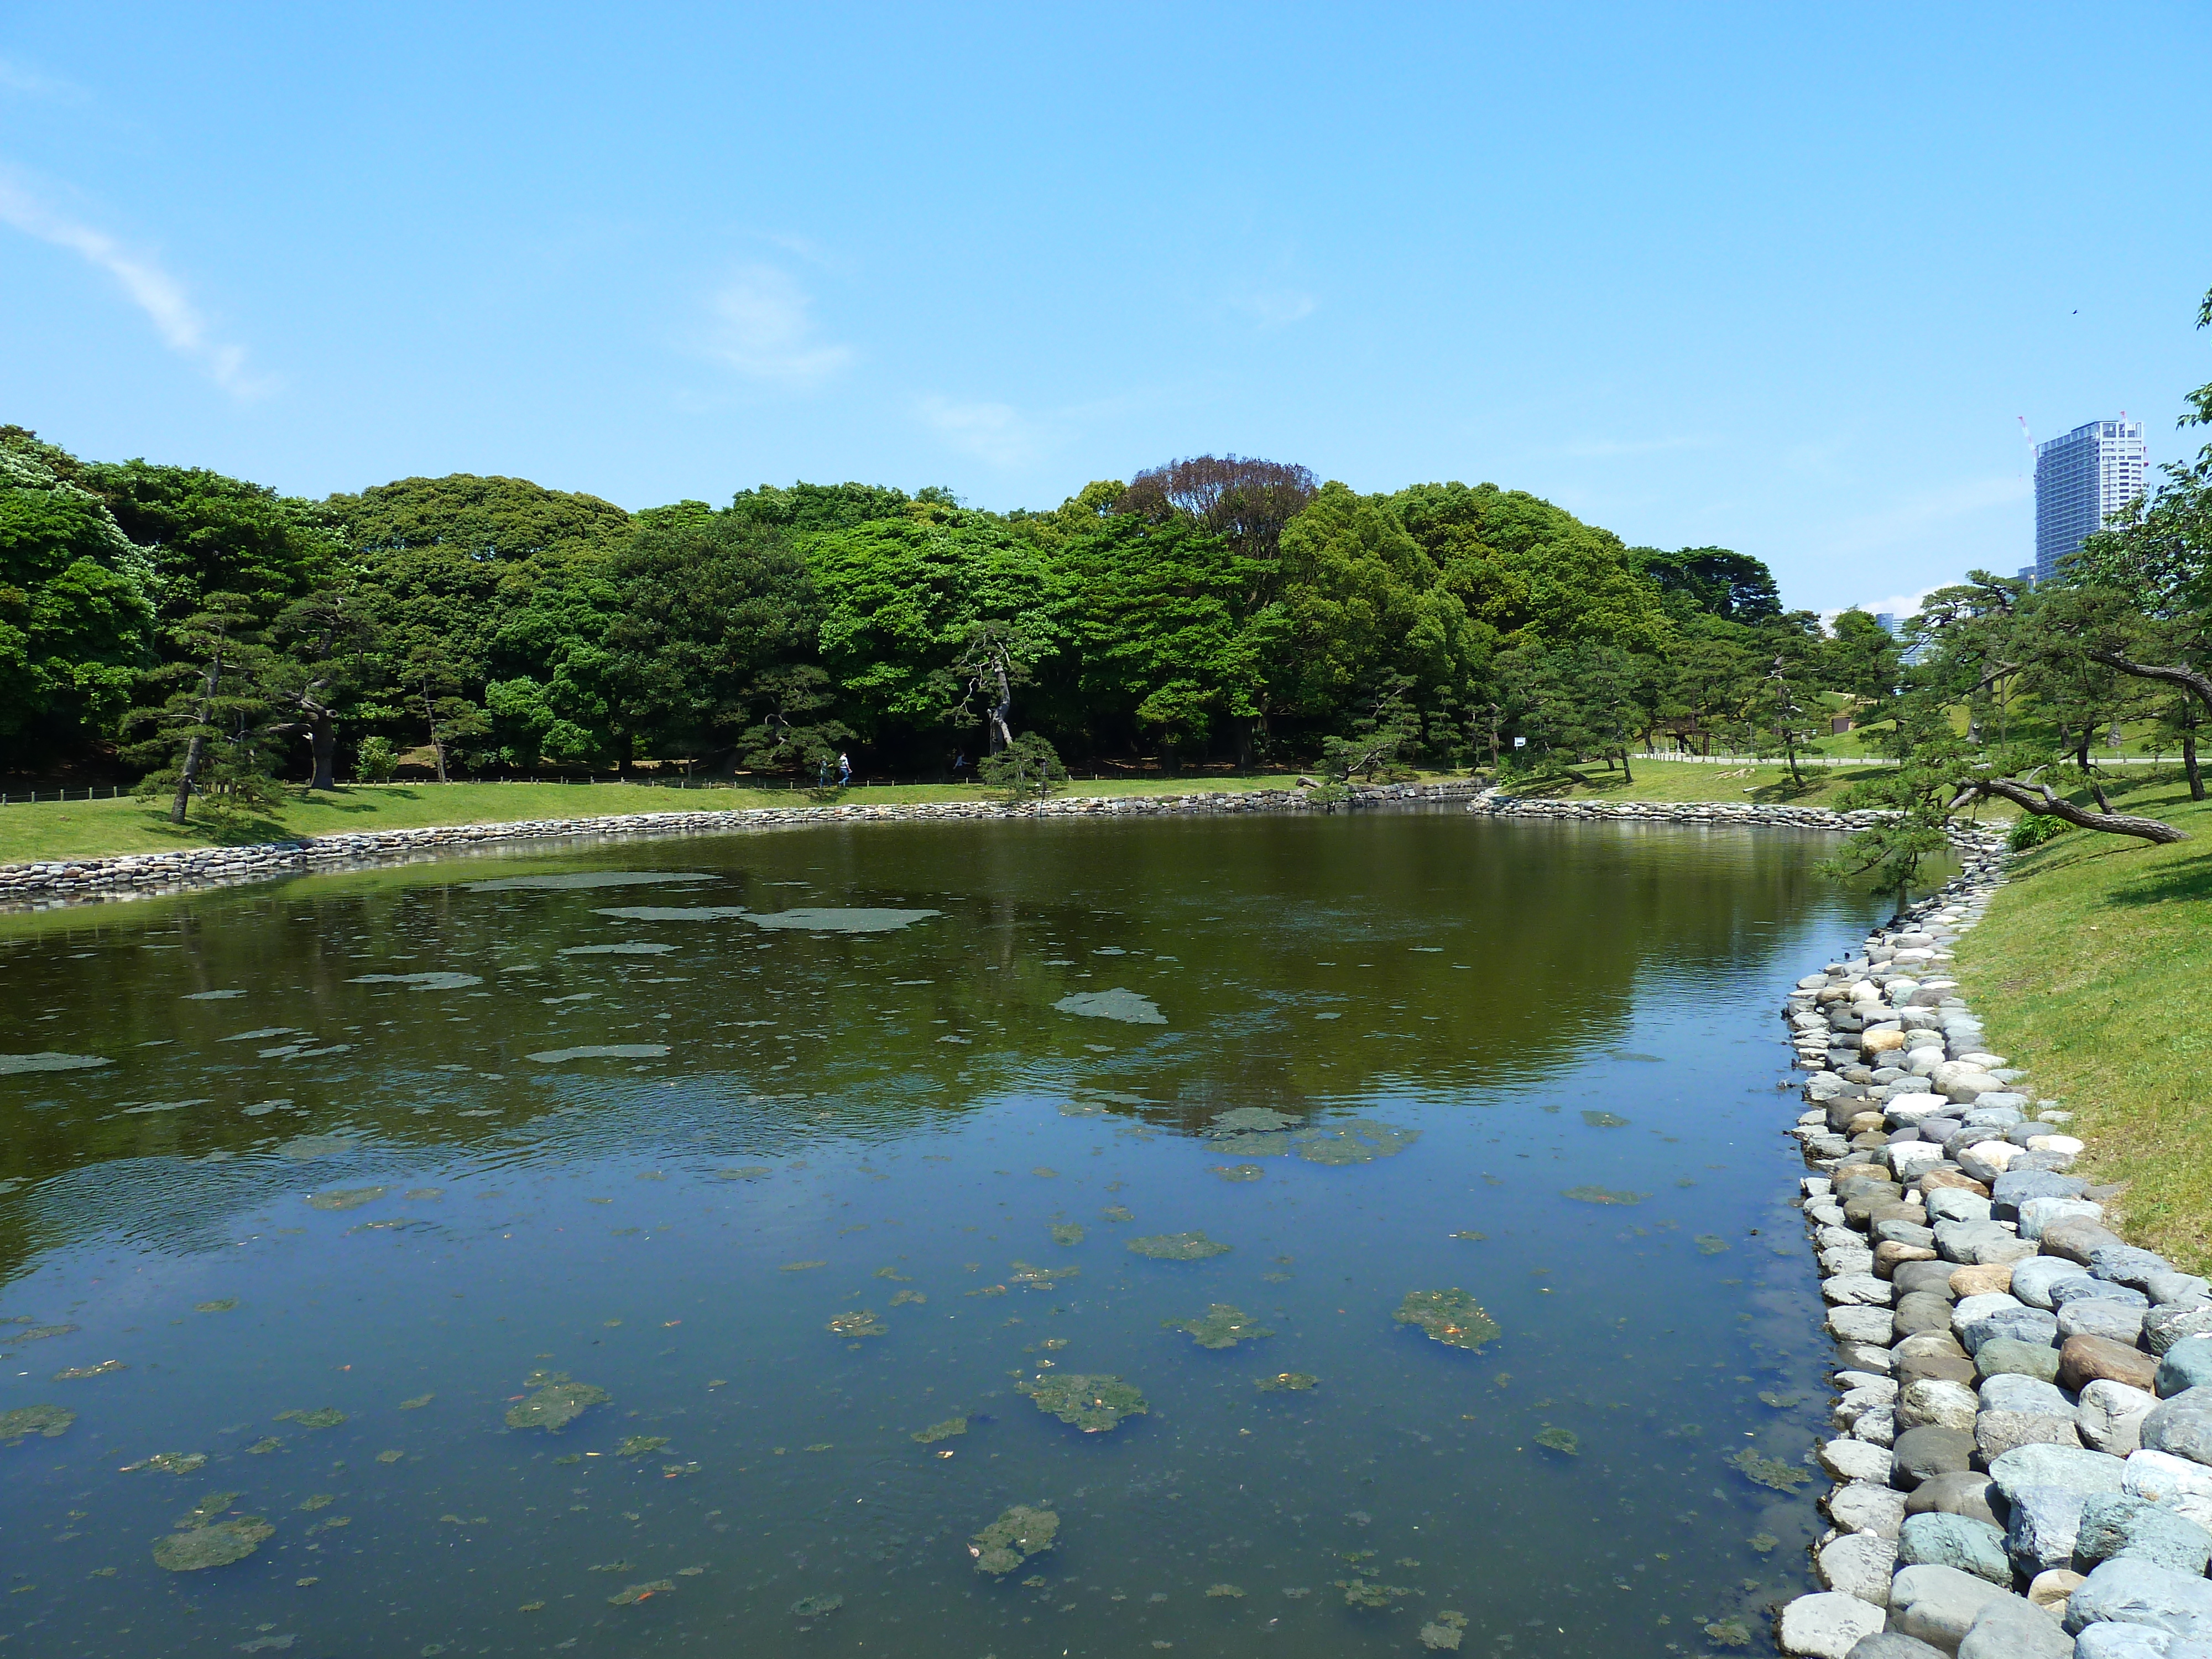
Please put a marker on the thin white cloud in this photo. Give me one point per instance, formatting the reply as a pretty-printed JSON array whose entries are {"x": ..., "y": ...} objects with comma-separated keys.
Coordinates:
[
  {"x": 144, "y": 283},
  {"x": 997, "y": 432},
  {"x": 1897, "y": 605},
  {"x": 1276, "y": 307},
  {"x": 22, "y": 78},
  {"x": 764, "y": 327}
]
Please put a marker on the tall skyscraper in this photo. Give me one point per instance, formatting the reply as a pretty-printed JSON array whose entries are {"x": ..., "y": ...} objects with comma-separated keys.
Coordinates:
[{"x": 2094, "y": 470}]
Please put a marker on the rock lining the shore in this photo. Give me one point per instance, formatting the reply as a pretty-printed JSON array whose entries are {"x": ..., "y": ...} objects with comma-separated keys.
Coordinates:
[{"x": 2022, "y": 1466}]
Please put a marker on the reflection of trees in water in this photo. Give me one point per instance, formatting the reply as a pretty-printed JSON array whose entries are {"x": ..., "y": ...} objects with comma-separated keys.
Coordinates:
[{"x": 1558, "y": 924}]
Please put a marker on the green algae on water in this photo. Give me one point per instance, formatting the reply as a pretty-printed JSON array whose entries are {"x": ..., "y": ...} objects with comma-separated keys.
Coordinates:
[
  {"x": 169, "y": 1462},
  {"x": 556, "y": 1403},
  {"x": 421, "y": 981},
  {"x": 1238, "y": 1171},
  {"x": 49, "y": 1422},
  {"x": 1248, "y": 1119},
  {"x": 1223, "y": 1327},
  {"x": 1115, "y": 1212},
  {"x": 1178, "y": 1247},
  {"x": 1604, "y": 1121},
  {"x": 1366, "y": 1593},
  {"x": 602, "y": 1051},
  {"x": 1771, "y": 1472},
  {"x": 216, "y": 1545},
  {"x": 816, "y": 920},
  {"x": 816, "y": 1606},
  {"x": 859, "y": 1323},
  {"x": 1015, "y": 1535},
  {"x": 346, "y": 1198},
  {"x": 317, "y": 1500},
  {"x": 635, "y": 1593},
  {"x": 637, "y": 1445},
  {"x": 417, "y": 1402},
  {"x": 1286, "y": 1382},
  {"x": 323, "y": 1417},
  {"x": 1707, "y": 1244},
  {"x": 11, "y": 1065},
  {"x": 1602, "y": 1195},
  {"x": 1066, "y": 1232},
  {"x": 1451, "y": 1317},
  {"x": 937, "y": 1431},
  {"x": 1729, "y": 1632},
  {"x": 1229, "y": 1592},
  {"x": 908, "y": 1298},
  {"x": 749, "y": 1172},
  {"x": 226, "y": 1304},
  {"x": 1119, "y": 1003},
  {"x": 263, "y": 1447},
  {"x": 1565, "y": 1441},
  {"x": 1092, "y": 1404}
]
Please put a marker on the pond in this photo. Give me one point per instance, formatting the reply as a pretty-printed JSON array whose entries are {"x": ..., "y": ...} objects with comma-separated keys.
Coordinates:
[{"x": 1269, "y": 1235}]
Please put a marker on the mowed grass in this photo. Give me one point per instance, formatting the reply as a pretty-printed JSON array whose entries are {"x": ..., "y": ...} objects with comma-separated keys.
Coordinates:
[
  {"x": 2089, "y": 969},
  {"x": 1768, "y": 782},
  {"x": 45, "y": 830}
]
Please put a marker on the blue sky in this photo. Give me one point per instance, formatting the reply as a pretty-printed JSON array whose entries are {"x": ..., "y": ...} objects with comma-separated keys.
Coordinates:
[{"x": 1781, "y": 278}]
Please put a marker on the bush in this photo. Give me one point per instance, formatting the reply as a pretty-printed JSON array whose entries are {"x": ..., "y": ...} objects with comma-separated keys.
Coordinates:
[
  {"x": 375, "y": 760},
  {"x": 2030, "y": 830}
]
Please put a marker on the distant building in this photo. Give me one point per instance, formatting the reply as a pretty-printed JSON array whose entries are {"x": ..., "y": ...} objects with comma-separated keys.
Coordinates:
[
  {"x": 2092, "y": 471},
  {"x": 1893, "y": 625},
  {"x": 2026, "y": 574}
]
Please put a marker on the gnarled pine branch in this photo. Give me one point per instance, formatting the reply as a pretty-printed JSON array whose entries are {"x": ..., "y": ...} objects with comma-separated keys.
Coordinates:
[{"x": 2044, "y": 802}]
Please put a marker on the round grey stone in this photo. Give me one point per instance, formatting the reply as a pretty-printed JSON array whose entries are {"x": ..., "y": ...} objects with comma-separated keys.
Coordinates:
[
  {"x": 2067, "y": 1291},
  {"x": 2182, "y": 1423},
  {"x": 2031, "y": 1280},
  {"x": 1921, "y": 1454},
  {"x": 2111, "y": 1416},
  {"x": 1859, "y": 1564},
  {"x": 2115, "y": 1525},
  {"x": 2130, "y": 1592},
  {"x": 1890, "y": 1645},
  {"x": 1920, "y": 1311},
  {"x": 2011, "y": 1392},
  {"x": 1925, "y": 1279},
  {"x": 1936, "y": 1538},
  {"x": 1980, "y": 1319},
  {"x": 1937, "y": 1604},
  {"x": 2115, "y": 1321},
  {"x": 2184, "y": 1365},
  {"x": 2070, "y": 1467},
  {"x": 1826, "y": 1626},
  {"x": 2003, "y": 1354},
  {"x": 2042, "y": 1526},
  {"x": 2173, "y": 1322},
  {"x": 2013, "y": 1627},
  {"x": 1964, "y": 1491},
  {"x": 1996, "y": 1433},
  {"x": 1932, "y": 1402}
]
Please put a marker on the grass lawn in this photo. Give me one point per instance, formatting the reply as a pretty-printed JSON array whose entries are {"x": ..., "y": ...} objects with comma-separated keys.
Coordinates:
[
  {"x": 91, "y": 829},
  {"x": 2090, "y": 970},
  {"x": 1766, "y": 781}
]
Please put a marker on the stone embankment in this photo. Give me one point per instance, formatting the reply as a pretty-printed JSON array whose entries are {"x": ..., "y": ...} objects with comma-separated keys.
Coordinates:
[
  {"x": 2023, "y": 1454},
  {"x": 143, "y": 874},
  {"x": 1672, "y": 811}
]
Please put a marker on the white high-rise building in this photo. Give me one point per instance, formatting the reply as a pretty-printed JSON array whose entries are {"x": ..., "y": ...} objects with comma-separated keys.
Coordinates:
[{"x": 2092, "y": 472}]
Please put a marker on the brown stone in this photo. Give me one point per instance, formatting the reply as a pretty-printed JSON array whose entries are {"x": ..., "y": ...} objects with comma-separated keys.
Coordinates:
[
  {"x": 2078, "y": 1238},
  {"x": 2049, "y": 1590},
  {"x": 1987, "y": 1279},
  {"x": 1887, "y": 1256},
  {"x": 1933, "y": 1367},
  {"x": 2085, "y": 1359},
  {"x": 1878, "y": 1043},
  {"x": 1956, "y": 1179},
  {"x": 1865, "y": 1122}
]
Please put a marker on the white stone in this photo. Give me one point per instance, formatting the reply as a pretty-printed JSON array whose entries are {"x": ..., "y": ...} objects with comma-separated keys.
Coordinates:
[
  {"x": 1857, "y": 1290},
  {"x": 1827, "y": 1625},
  {"x": 2172, "y": 1483},
  {"x": 2065, "y": 1144},
  {"x": 1910, "y": 1160},
  {"x": 1861, "y": 1324},
  {"x": 1855, "y": 1459},
  {"x": 1862, "y": 1506},
  {"x": 1859, "y": 1564},
  {"x": 2110, "y": 1417}
]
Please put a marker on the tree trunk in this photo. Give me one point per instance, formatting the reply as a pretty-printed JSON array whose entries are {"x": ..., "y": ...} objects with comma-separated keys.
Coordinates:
[
  {"x": 1002, "y": 730},
  {"x": 2097, "y": 789},
  {"x": 193, "y": 751},
  {"x": 2188, "y": 765},
  {"x": 2044, "y": 802},
  {"x": 437, "y": 747},
  {"x": 323, "y": 740},
  {"x": 1625, "y": 775}
]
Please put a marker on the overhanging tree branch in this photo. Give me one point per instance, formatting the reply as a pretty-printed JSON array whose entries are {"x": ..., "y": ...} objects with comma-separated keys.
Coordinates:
[{"x": 2044, "y": 802}]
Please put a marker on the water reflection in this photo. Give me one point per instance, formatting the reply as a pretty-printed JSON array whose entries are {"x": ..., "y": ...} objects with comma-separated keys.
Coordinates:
[{"x": 379, "y": 1161}]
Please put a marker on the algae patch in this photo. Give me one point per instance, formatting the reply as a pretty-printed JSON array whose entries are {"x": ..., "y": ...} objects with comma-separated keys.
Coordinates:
[
  {"x": 937, "y": 1431},
  {"x": 602, "y": 1051},
  {"x": 50, "y": 1421},
  {"x": 207, "y": 1543},
  {"x": 1771, "y": 1472},
  {"x": 421, "y": 981},
  {"x": 1018, "y": 1533},
  {"x": 557, "y": 1402},
  {"x": 346, "y": 1198},
  {"x": 840, "y": 922},
  {"x": 1092, "y": 1404},
  {"x": 816, "y": 1606},
  {"x": 1119, "y": 1003},
  {"x": 1066, "y": 1232},
  {"x": 1565, "y": 1441},
  {"x": 1223, "y": 1327},
  {"x": 1178, "y": 1247},
  {"x": 1286, "y": 1382},
  {"x": 1451, "y": 1317},
  {"x": 1602, "y": 1195},
  {"x": 323, "y": 1417}
]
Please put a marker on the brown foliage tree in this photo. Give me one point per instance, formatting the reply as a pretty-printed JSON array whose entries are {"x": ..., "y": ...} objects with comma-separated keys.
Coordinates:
[{"x": 1244, "y": 500}]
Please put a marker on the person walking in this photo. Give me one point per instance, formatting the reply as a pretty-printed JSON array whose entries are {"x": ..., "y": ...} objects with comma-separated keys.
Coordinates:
[
  {"x": 844, "y": 771},
  {"x": 960, "y": 766}
]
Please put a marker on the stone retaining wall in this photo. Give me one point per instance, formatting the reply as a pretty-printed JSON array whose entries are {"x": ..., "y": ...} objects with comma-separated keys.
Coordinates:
[
  {"x": 143, "y": 874},
  {"x": 1664, "y": 812},
  {"x": 2023, "y": 1455}
]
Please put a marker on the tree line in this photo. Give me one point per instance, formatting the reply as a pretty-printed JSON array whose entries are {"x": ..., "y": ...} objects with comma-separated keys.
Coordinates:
[{"x": 213, "y": 634}]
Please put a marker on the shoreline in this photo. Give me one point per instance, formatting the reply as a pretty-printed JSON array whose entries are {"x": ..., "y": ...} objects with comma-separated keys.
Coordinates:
[
  {"x": 49, "y": 884},
  {"x": 2022, "y": 1453}
]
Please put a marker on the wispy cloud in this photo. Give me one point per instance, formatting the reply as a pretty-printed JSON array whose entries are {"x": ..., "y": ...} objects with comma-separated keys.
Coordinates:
[
  {"x": 997, "y": 432},
  {"x": 32, "y": 84},
  {"x": 144, "y": 283},
  {"x": 1925, "y": 515},
  {"x": 762, "y": 326},
  {"x": 1276, "y": 307},
  {"x": 1897, "y": 605}
]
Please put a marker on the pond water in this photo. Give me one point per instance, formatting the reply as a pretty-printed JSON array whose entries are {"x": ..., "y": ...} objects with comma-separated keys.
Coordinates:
[{"x": 1353, "y": 1232}]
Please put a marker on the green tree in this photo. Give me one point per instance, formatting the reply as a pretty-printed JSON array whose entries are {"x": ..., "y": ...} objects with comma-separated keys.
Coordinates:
[
  {"x": 1713, "y": 581},
  {"x": 1027, "y": 767},
  {"x": 320, "y": 672},
  {"x": 77, "y": 611},
  {"x": 208, "y": 736},
  {"x": 206, "y": 533}
]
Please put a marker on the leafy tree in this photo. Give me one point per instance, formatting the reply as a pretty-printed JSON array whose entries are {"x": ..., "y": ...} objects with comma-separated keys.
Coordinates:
[
  {"x": 1863, "y": 657},
  {"x": 1782, "y": 702},
  {"x": 208, "y": 736},
  {"x": 206, "y": 533},
  {"x": 320, "y": 672},
  {"x": 796, "y": 730},
  {"x": 806, "y": 508},
  {"x": 1027, "y": 766},
  {"x": 1712, "y": 581},
  {"x": 77, "y": 611}
]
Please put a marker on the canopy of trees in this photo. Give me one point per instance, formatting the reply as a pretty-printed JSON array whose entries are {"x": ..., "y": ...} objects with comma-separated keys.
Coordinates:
[{"x": 1210, "y": 608}]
